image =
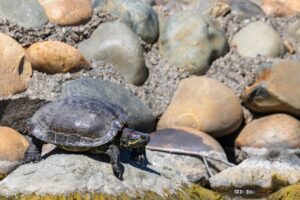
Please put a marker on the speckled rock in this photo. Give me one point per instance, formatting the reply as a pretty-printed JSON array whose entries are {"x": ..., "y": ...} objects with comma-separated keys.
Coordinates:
[
  {"x": 27, "y": 13},
  {"x": 266, "y": 39},
  {"x": 15, "y": 70},
  {"x": 203, "y": 104},
  {"x": 140, "y": 115},
  {"x": 287, "y": 193},
  {"x": 191, "y": 42},
  {"x": 277, "y": 130},
  {"x": 138, "y": 15},
  {"x": 276, "y": 88},
  {"x": 12, "y": 148},
  {"x": 67, "y": 12},
  {"x": 281, "y": 7},
  {"x": 259, "y": 175},
  {"x": 116, "y": 43},
  {"x": 55, "y": 57}
]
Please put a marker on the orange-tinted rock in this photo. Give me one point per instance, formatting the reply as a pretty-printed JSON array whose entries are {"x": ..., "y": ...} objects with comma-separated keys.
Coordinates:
[
  {"x": 269, "y": 132},
  {"x": 15, "y": 70},
  {"x": 67, "y": 12},
  {"x": 203, "y": 104},
  {"x": 281, "y": 7},
  {"x": 55, "y": 57}
]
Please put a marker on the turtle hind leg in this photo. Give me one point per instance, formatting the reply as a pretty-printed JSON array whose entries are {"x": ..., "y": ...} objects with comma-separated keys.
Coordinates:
[
  {"x": 34, "y": 150},
  {"x": 114, "y": 154}
]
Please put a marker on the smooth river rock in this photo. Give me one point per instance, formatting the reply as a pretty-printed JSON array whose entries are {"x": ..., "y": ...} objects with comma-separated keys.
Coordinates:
[
  {"x": 276, "y": 88},
  {"x": 281, "y": 7},
  {"x": 267, "y": 41},
  {"x": 117, "y": 44},
  {"x": 27, "y": 13},
  {"x": 204, "y": 104},
  {"x": 15, "y": 70},
  {"x": 55, "y": 57},
  {"x": 140, "y": 115},
  {"x": 191, "y": 42}
]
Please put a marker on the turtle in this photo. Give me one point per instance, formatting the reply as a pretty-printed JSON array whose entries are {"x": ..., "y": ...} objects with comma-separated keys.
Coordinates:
[{"x": 88, "y": 124}]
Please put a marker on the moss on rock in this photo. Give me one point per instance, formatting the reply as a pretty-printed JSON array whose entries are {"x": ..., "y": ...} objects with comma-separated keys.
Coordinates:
[
  {"x": 291, "y": 192},
  {"x": 2, "y": 176}
]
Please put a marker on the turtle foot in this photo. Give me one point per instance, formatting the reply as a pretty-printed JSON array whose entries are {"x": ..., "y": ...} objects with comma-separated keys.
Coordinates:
[
  {"x": 117, "y": 169},
  {"x": 139, "y": 155},
  {"x": 31, "y": 158}
]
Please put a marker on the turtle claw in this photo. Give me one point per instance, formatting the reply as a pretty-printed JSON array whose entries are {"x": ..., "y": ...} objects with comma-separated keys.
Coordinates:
[{"x": 117, "y": 171}]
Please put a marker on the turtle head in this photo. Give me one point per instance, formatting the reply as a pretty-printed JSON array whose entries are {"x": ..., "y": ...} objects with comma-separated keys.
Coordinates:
[{"x": 133, "y": 139}]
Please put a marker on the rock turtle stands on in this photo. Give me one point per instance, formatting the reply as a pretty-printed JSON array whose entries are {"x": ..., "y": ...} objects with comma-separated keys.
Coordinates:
[{"x": 81, "y": 123}]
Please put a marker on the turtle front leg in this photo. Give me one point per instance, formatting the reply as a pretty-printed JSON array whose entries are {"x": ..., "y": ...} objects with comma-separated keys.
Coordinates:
[
  {"x": 139, "y": 155},
  {"x": 34, "y": 150},
  {"x": 114, "y": 153}
]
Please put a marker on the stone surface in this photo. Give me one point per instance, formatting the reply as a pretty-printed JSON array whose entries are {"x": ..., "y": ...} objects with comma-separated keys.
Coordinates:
[
  {"x": 67, "y": 12},
  {"x": 276, "y": 88},
  {"x": 138, "y": 15},
  {"x": 115, "y": 43},
  {"x": 266, "y": 39},
  {"x": 287, "y": 193},
  {"x": 55, "y": 57},
  {"x": 27, "y": 13},
  {"x": 259, "y": 175},
  {"x": 281, "y": 7},
  {"x": 15, "y": 70},
  {"x": 12, "y": 148},
  {"x": 203, "y": 104},
  {"x": 140, "y": 115},
  {"x": 191, "y": 42},
  {"x": 245, "y": 8}
]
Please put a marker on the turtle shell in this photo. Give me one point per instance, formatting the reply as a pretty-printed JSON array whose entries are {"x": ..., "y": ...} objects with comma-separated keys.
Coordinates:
[{"x": 77, "y": 121}]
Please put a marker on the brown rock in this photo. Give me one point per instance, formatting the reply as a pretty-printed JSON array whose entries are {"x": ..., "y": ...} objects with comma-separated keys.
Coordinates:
[
  {"x": 67, "y": 12},
  {"x": 15, "y": 70},
  {"x": 281, "y": 7},
  {"x": 276, "y": 88},
  {"x": 203, "y": 104},
  {"x": 55, "y": 57},
  {"x": 268, "y": 132}
]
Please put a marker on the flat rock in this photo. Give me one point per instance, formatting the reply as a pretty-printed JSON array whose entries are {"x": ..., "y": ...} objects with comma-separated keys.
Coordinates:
[
  {"x": 191, "y": 42},
  {"x": 67, "y": 12},
  {"x": 140, "y": 115},
  {"x": 287, "y": 193},
  {"x": 138, "y": 15},
  {"x": 15, "y": 70},
  {"x": 116, "y": 43},
  {"x": 203, "y": 104},
  {"x": 275, "y": 89},
  {"x": 55, "y": 57},
  {"x": 12, "y": 148},
  {"x": 281, "y": 7},
  {"x": 259, "y": 175},
  {"x": 266, "y": 39},
  {"x": 27, "y": 13}
]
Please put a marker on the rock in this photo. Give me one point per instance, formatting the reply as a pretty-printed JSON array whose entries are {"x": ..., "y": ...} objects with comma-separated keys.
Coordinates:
[
  {"x": 189, "y": 41},
  {"x": 115, "y": 43},
  {"x": 27, "y": 13},
  {"x": 67, "y": 12},
  {"x": 277, "y": 130},
  {"x": 138, "y": 15},
  {"x": 294, "y": 30},
  {"x": 259, "y": 175},
  {"x": 287, "y": 193},
  {"x": 245, "y": 8},
  {"x": 12, "y": 148},
  {"x": 97, "y": 3},
  {"x": 275, "y": 89},
  {"x": 266, "y": 39},
  {"x": 140, "y": 115},
  {"x": 78, "y": 174},
  {"x": 203, "y": 104},
  {"x": 55, "y": 57},
  {"x": 281, "y": 7},
  {"x": 15, "y": 70}
]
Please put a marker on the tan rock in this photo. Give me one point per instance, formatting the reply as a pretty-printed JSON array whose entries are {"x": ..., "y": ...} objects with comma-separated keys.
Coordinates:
[
  {"x": 281, "y": 7},
  {"x": 268, "y": 132},
  {"x": 203, "y": 104},
  {"x": 55, "y": 57},
  {"x": 67, "y": 12},
  {"x": 15, "y": 70}
]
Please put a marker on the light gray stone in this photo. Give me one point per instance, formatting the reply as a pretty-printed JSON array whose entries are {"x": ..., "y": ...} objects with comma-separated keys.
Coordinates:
[
  {"x": 27, "y": 13},
  {"x": 258, "y": 38},
  {"x": 245, "y": 8},
  {"x": 191, "y": 42},
  {"x": 117, "y": 44},
  {"x": 97, "y": 3}
]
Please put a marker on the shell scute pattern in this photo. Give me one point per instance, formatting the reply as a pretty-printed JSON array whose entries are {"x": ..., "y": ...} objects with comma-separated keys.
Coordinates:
[{"x": 78, "y": 121}]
